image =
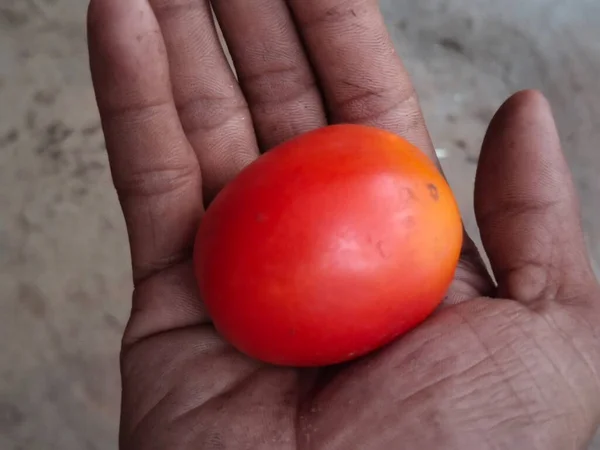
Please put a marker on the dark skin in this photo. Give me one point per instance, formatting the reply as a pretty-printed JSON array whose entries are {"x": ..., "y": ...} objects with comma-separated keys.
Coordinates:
[{"x": 504, "y": 365}]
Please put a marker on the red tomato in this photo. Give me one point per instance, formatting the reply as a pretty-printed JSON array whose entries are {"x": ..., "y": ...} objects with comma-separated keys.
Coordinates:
[{"x": 328, "y": 247}]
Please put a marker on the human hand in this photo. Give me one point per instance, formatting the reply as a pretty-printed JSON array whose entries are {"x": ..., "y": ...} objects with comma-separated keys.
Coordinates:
[{"x": 512, "y": 365}]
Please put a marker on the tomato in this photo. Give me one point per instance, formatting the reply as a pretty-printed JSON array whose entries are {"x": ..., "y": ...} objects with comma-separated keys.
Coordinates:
[{"x": 328, "y": 247}]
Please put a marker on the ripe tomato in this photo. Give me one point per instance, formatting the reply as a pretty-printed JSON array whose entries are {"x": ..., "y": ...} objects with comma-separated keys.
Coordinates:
[{"x": 328, "y": 247}]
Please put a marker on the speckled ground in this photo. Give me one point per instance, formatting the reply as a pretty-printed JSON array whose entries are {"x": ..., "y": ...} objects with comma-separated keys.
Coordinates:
[{"x": 63, "y": 258}]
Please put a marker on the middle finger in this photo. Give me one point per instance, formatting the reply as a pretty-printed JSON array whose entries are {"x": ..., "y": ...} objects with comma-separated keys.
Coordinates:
[{"x": 272, "y": 67}]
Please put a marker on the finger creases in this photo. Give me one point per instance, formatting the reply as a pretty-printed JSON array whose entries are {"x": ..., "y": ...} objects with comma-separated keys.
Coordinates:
[
  {"x": 360, "y": 74},
  {"x": 527, "y": 208},
  {"x": 155, "y": 171},
  {"x": 211, "y": 106},
  {"x": 272, "y": 68}
]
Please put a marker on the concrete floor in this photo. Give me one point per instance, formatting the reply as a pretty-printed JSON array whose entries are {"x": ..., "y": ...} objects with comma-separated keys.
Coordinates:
[{"x": 63, "y": 257}]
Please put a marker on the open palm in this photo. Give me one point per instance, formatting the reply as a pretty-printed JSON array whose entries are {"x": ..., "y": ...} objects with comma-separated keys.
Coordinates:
[{"x": 512, "y": 365}]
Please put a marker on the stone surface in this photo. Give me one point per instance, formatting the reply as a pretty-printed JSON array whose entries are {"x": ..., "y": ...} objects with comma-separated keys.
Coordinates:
[{"x": 63, "y": 257}]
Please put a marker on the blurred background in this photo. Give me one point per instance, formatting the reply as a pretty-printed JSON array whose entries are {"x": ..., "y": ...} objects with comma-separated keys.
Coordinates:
[{"x": 64, "y": 265}]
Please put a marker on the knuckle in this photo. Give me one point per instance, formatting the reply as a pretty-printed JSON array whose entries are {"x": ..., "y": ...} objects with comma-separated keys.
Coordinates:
[
  {"x": 153, "y": 181},
  {"x": 276, "y": 87},
  {"x": 337, "y": 11},
  {"x": 368, "y": 105},
  {"x": 164, "y": 9},
  {"x": 207, "y": 113}
]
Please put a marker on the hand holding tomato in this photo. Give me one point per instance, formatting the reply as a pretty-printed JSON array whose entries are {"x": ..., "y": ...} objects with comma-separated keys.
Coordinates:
[{"x": 505, "y": 364}]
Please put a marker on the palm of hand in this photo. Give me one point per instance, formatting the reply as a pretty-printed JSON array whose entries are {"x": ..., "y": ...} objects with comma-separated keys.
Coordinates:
[
  {"x": 481, "y": 373},
  {"x": 503, "y": 377}
]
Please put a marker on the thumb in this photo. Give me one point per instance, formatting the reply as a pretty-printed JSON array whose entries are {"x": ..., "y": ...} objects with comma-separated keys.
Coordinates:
[{"x": 527, "y": 208}]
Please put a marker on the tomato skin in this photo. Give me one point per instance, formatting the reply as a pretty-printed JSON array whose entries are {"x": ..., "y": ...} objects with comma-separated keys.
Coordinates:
[{"x": 328, "y": 247}]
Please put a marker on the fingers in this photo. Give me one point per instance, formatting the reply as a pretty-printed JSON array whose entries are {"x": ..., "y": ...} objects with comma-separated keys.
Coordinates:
[
  {"x": 272, "y": 67},
  {"x": 211, "y": 105},
  {"x": 364, "y": 81},
  {"x": 362, "y": 78},
  {"x": 154, "y": 169},
  {"x": 527, "y": 208}
]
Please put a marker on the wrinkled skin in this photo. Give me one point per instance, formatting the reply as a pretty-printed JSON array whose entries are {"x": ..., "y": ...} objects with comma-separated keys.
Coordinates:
[{"x": 499, "y": 366}]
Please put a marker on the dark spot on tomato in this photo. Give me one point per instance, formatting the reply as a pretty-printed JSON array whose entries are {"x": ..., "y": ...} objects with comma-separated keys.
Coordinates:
[
  {"x": 261, "y": 218},
  {"x": 433, "y": 191},
  {"x": 407, "y": 194},
  {"x": 411, "y": 194}
]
